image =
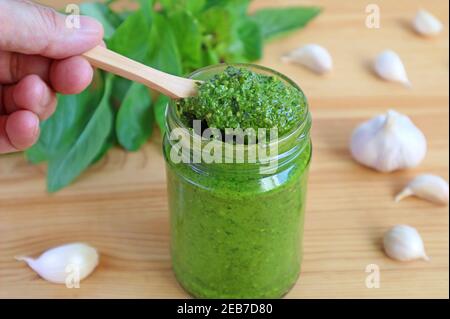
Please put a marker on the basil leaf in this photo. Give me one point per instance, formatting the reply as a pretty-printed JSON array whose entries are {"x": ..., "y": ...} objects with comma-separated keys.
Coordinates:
[
  {"x": 167, "y": 4},
  {"x": 36, "y": 154},
  {"x": 109, "y": 143},
  {"x": 160, "y": 111},
  {"x": 194, "y": 5},
  {"x": 250, "y": 34},
  {"x": 66, "y": 167},
  {"x": 132, "y": 37},
  {"x": 217, "y": 29},
  {"x": 120, "y": 89},
  {"x": 229, "y": 37},
  {"x": 183, "y": 5},
  {"x": 163, "y": 53},
  {"x": 210, "y": 57},
  {"x": 60, "y": 131},
  {"x": 103, "y": 14},
  {"x": 147, "y": 9},
  {"x": 190, "y": 47},
  {"x": 239, "y": 7},
  {"x": 278, "y": 21},
  {"x": 134, "y": 122}
]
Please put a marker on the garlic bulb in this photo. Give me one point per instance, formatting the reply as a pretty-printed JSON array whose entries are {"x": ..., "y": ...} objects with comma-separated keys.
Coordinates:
[
  {"x": 429, "y": 187},
  {"x": 404, "y": 243},
  {"x": 389, "y": 66},
  {"x": 55, "y": 264},
  {"x": 426, "y": 24},
  {"x": 388, "y": 142},
  {"x": 313, "y": 56}
]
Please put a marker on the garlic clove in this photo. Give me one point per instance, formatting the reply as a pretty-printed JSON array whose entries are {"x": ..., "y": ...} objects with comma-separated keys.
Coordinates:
[
  {"x": 388, "y": 142},
  {"x": 429, "y": 187},
  {"x": 55, "y": 264},
  {"x": 312, "y": 56},
  {"x": 404, "y": 243},
  {"x": 426, "y": 24},
  {"x": 390, "y": 67}
]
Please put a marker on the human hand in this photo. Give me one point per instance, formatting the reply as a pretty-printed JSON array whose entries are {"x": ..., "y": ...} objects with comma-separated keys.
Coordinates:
[{"x": 39, "y": 56}]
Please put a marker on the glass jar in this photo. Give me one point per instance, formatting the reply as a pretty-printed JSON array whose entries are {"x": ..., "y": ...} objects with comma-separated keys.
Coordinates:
[{"x": 236, "y": 228}]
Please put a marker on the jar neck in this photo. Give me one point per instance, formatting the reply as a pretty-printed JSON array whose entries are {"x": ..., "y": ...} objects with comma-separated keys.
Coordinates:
[{"x": 209, "y": 152}]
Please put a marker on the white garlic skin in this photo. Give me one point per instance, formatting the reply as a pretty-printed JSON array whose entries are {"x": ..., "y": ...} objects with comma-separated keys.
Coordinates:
[
  {"x": 429, "y": 187},
  {"x": 53, "y": 264},
  {"x": 388, "y": 142},
  {"x": 390, "y": 67},
  {"x": 404, "y": 243},
  {"x": 312, "y": 56},
  {"x": 426, "y": 24}
]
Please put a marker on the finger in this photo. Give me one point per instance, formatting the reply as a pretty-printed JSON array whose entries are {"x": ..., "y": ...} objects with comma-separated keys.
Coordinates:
[
  {"x": 18, "y": 131},
  {"x": 14, "y": 66},
  {"x": 45, "y": 32},
  {"x": 71, "y": 76},
  {"x": 2, "y": 108},
  {"x": 31, "y": 94}
]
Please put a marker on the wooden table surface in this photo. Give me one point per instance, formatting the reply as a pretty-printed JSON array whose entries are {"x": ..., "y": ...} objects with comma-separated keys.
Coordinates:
[{"x": 120, "y": 205}]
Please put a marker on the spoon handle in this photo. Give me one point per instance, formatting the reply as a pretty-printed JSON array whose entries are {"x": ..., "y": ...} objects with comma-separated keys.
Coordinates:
[{"x": 170, "y": 85}]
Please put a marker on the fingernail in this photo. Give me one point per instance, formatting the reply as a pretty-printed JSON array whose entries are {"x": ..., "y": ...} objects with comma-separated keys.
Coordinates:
[
  {"x": 90, "y": 28},
  {"x": 80, "y": 34},
  {"x": 41, "y": 92},
  {"x": 35, "y": 123}
]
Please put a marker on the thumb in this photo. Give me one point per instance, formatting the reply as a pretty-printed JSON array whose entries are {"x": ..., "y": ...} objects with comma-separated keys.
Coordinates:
[{"x": 29, "y": 28}]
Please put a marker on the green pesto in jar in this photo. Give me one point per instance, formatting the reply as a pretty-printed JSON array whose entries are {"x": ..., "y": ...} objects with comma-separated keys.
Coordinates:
[
  {"x": 240, "y": 98},
  {"x": 236, "y": 233}
]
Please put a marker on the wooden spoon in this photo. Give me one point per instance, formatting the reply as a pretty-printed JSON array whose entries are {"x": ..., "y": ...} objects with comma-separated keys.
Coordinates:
[{"x": 173, "y": 86}]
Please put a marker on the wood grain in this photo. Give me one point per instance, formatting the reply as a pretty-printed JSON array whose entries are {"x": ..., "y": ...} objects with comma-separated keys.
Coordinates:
[{"x": 120, "y": 205}]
